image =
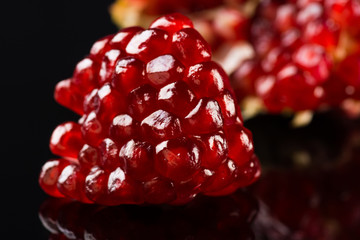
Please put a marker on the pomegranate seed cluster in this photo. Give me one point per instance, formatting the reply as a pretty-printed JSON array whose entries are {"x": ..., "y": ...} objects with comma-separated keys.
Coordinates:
[
  {"x": 220, "y": 22},
  {"x": 299, "y": 54},
  {"x": 305, "y": 55},
  {"x": 159, "y": 123}
]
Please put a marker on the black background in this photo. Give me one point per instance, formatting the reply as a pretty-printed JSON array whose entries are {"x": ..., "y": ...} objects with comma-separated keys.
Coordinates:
[{"x": 41, "y": 41}]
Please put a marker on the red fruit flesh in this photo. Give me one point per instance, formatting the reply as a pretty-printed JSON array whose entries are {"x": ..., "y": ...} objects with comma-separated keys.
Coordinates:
[
  {"x": 157, "y": 125},
  {"x": 68, "y": 95},
  {"x": 163, "y": 70},
  {"x": 189, "y": 47},
  {"x": 49, "y": 175},
  {"x": 172, "y": 23},
  {"x": 177, "y": 159},
  {"x": 299, "y": 47},
  {"x": 66, "y": 140},
  {"x": 148, "y": 44}
]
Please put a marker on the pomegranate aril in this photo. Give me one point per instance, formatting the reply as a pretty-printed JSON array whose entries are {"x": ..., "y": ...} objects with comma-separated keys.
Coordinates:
[
  {"x": 96, "y": 186},
  {"x": 109, "y": 103},
  {"x": 159, "y": 190},
  {"x": 163, "y": 70},
  {"x": 313, "y": 59},
  {"x": 206, "y": 79},
  {"x": 49, "y": 175},
  {"x": 122, "y": 38},
  {"x": 249, "y": 172},
  {"x": 123, "y": 190},
  {"x": 291, "y": 39},
  {"x": 263, "y": 39},
  {"x": 148, "y": 44},
  {"x": 177, "y": 159},
  {"x": 66, "y": 140},
  {"x": 67, "y": 95},
  {"x": 214, "y": 150},
  {"x": 322, "y": 33},
  {"x": 136, "y": 159},
  {"x": 265, "y": 87},
  {"x": 228, "y": 107},
  {"x": 161, "y": 125},
  {"x": 223, "y": 176},
  {"x": 349, "y": 70},
  {"x": 231, "y": 24},
  {"x": 142, "y": 102},
  {"x": 285, "y": 17},
  {"x": 85, "y": 76},
  {"x": 204, "y": 118},
  {"x": 129, "y": 73},
  {"x": 177, "y": 94},
  {"x": 91, "y": 101},
  {"x": 93, "y": 131},
  {"x": 189, "y": 47},
  {"x": 88, "y": 156},
  {"x": 310, "y": 13},
  {"x": 275, "y": 59},
  {"x": 108, "y": 65},
  {"x": 109, "y": 154},
  {"x": 187, "y": 190},
  {"x": 100, "y": 47},
  {"x": 172, "y": 23},
  {"x": 71, "y": 183},
  {"x": 240, "y": 144},
  {"x": 243, "y": 78},
  {"x": 123, "y": 127}
]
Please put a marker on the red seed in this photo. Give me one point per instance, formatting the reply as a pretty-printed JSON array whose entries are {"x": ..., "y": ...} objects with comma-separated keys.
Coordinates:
[
  {"x": 148, "y": 44},
  {"x": 142, "y": 102},
  {"x": 123, "y": 127},
  {"x": 108, "y": 65},
  {"x": 172, "y": 23},
  {"x": 49, "y": 175},
  {"x": 206, "y": 79},
  {"x": 85, "y": 76},
  {"x": 163, "y": 70},
  {"x": 122, "y": 38},
  {"x": 66, "y": 140},
  {"x": 109, "y": 154},
  {"x": 71, "y": 183},
  {"x": 189, "y": 47},
  {"x": 67, "y": 95},
  {"x": 136, "y": 159},
  {"x": 204, "y": 118},
  {"x": 161, "y": 125},
  {"x": 177, "y": 94},
  {"x": 129, "y": 73},
  {"x": 177, "y": 159}
]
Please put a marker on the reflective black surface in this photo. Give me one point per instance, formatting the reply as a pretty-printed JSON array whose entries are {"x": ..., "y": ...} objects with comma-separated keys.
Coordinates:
[
  {"x": 205, "y": 218},
  {"x": 309, "y": 189}
]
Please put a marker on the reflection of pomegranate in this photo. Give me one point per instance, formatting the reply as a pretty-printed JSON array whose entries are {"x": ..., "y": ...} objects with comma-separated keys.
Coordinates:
[
  {"x": 317, "y": 202},
  {"x": 319, "y": 205},
  {"x": 205, "y": 218}
]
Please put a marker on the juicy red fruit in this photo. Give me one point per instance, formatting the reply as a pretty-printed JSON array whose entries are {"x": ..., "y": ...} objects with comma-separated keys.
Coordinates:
[{"x": 159, "y": 123}]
